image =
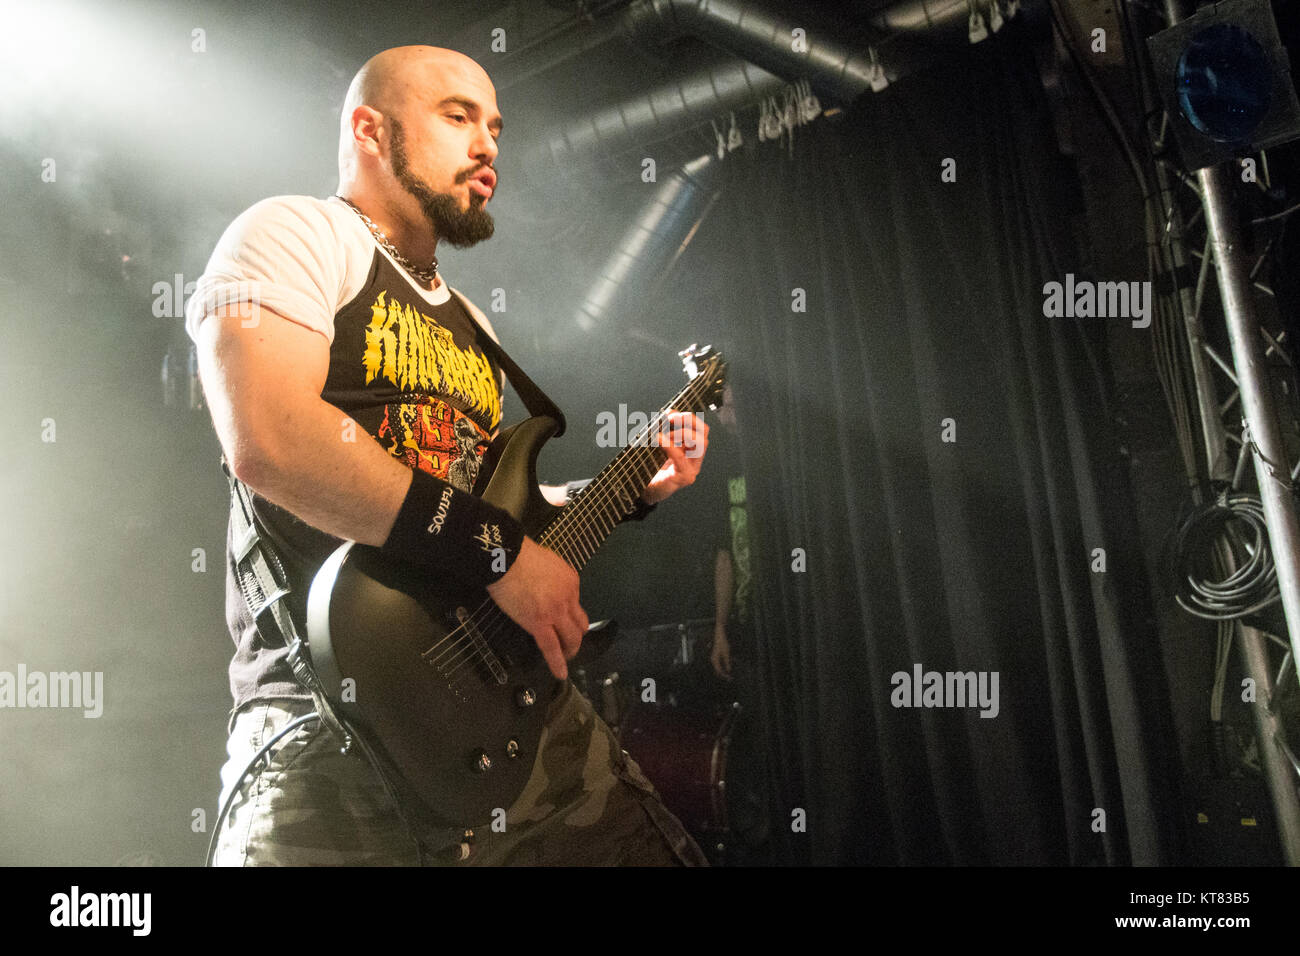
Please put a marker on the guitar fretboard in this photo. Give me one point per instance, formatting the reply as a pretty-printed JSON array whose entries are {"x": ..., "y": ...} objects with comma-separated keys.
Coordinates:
[{"x": 584, "y": 524}]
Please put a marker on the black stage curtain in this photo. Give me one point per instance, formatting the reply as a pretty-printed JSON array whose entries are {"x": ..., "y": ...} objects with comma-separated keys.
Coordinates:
[{"x": 924, "y": 303}]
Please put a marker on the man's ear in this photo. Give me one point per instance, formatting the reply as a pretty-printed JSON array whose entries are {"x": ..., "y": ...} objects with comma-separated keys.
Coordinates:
[{"x": 369, "y": 127}]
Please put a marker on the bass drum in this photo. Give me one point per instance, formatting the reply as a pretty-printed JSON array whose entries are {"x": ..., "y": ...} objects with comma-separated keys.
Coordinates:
[{"x": 683, "y": 750}]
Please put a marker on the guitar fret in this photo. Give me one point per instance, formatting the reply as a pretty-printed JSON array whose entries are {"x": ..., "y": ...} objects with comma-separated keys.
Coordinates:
[{"x": 581, "y": 528}]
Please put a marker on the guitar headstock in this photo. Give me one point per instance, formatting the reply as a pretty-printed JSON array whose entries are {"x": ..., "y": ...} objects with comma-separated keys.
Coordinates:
[{"x": 707, "y": 370}]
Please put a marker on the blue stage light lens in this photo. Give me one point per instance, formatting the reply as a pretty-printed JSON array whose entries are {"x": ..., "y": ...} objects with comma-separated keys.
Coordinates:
[{"x": 1225, "y": 83}]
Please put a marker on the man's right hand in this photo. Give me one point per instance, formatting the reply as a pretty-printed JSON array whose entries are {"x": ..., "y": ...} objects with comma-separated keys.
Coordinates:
[{"x": 540, "y": 594}]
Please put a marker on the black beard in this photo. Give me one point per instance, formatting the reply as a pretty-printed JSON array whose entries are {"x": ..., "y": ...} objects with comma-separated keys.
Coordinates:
[{"x": 450, "y": 223}]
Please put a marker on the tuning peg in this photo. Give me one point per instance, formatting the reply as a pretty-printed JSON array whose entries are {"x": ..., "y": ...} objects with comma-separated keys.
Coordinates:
[{"x": 687, "y": 355}]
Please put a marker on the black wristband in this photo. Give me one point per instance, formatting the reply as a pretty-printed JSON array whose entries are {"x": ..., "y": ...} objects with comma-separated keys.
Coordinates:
[{"x": 447, "y": 530}]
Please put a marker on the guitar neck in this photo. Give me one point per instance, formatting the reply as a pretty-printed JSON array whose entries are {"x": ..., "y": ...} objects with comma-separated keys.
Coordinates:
[{"x": 583, "y": 525}]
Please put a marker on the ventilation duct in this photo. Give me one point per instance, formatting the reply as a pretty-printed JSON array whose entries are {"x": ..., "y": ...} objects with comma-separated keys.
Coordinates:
[
  {"x": 653, "y": 241},
  {"x": 761, "y": 36},
  {"x": 606, "y": 134},
  {"x": 943, "y": 21}
]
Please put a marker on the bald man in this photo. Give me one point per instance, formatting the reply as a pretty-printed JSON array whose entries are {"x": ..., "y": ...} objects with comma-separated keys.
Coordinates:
[{"x": 352, "y": 396}]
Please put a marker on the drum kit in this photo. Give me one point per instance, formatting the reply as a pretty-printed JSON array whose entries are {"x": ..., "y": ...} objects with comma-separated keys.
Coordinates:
[{"x": 656, "y": 690}]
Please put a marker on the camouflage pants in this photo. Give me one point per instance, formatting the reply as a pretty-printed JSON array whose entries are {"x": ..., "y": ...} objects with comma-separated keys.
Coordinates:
[{"x": 586, "y": 803}]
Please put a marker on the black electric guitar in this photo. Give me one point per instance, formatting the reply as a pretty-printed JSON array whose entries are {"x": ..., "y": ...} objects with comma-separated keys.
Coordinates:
[{"x": 437, "y": 678}]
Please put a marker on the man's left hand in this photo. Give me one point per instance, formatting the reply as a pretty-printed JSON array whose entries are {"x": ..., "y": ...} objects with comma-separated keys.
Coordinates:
[{"x": 684, "y": 437}]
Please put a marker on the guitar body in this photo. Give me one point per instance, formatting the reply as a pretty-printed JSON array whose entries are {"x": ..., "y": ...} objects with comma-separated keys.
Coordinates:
[
  {"x": 435, "y": 677},
  {"x": 395, "y": 656}
]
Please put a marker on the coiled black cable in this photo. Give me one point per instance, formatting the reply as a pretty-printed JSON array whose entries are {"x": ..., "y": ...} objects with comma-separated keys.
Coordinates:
[{"x": 1233, "y": 523}]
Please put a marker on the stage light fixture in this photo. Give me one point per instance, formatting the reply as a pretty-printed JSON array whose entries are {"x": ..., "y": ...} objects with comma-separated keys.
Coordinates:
[{"x": 1225, "y": 80}]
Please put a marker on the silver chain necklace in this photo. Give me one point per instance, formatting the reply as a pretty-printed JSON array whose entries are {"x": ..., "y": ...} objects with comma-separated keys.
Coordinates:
[{"x": 421, "y": 274}]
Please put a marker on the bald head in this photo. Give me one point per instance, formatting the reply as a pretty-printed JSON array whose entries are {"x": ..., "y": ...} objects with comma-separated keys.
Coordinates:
[
  {"x": 402, "y": 82},
  {"x": 417, "y": 147}
]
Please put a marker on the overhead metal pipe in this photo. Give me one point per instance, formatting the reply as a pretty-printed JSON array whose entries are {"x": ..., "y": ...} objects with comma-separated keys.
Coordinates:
[
  {"x": 764, "y": 34},
  {"x": 653, "y": 241},
  {"x": 662, "y": 113},
  {"x": 760, "y": 35},
  {"x": 925, "y": 19},
  {"x": 757, "y": 31}
]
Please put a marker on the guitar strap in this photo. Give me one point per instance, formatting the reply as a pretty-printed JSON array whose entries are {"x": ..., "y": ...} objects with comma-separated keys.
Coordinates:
[
  {"x": 264, "y": 585},
  {"x": 534, "y": 399}
]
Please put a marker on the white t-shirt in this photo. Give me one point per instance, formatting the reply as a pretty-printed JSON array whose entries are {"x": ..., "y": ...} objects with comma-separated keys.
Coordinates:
[{"x": 303, "y": 257}]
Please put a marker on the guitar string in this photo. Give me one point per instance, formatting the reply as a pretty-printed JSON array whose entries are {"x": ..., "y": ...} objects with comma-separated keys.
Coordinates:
[
  {"x": 578, "y": 539},
  {"x": 455, "y": 670},
  {"x": 575, "y": 543},
  {"x": 575, "y": 533},
  {"x": 586, "y": 503},
  {"x": 585, "y": 546},
  {"x": 564, "y": 540}
]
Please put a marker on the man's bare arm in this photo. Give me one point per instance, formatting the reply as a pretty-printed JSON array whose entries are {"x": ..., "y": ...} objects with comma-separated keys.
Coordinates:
[{"x": 263, "y": 384}]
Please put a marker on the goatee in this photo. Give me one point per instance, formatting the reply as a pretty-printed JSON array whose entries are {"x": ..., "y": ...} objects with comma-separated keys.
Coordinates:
[{"x": 459, "y": 227}]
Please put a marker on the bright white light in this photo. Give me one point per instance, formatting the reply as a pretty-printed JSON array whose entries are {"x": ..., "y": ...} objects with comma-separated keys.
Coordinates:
[{"x": 43, "y": 46}]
